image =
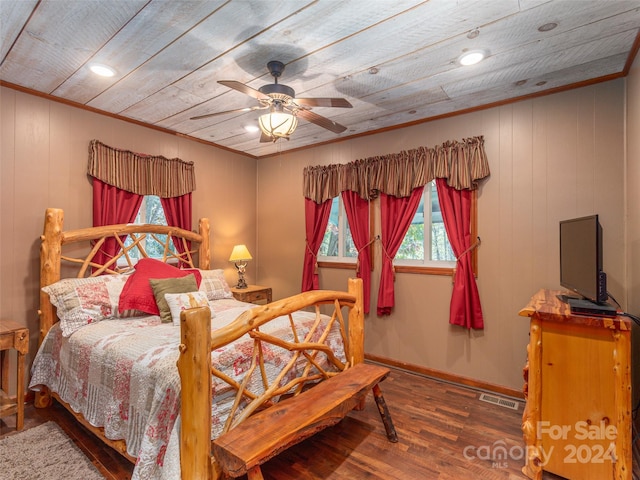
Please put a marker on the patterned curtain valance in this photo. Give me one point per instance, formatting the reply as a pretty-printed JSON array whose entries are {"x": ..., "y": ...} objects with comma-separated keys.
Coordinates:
[
  {"x": 139, "y": 173},
  {"x": 463, "y": 164}
]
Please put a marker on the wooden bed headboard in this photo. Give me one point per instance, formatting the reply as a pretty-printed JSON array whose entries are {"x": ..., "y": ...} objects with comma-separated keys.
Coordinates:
[{"x": 54, "y": 238}]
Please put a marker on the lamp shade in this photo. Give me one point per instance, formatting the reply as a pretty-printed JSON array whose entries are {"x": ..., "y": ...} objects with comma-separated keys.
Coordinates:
[
  {"x": 278, "y": 124},
  {"x": 240, "y": 253}
]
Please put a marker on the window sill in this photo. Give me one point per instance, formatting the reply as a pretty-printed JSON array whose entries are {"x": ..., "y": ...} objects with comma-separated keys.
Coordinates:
[
  {"x": 423, "y": 270},
  {"x": 398, "y": 268},
  {"x": 343, "y": 265}
]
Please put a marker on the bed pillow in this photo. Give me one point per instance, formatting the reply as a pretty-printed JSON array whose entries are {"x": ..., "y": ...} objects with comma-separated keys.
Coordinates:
[
  {"x": 214, "y": 284},
  {"x": 178, "y": 302},
  {"x": 81, "y": 301},
  {"x": 160, "y": 287},
  {"x": 137, "y": 293}
]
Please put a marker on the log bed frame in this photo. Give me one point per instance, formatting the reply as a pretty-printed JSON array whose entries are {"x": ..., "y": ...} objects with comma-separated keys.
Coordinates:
[{"x": 194, "y": 363}]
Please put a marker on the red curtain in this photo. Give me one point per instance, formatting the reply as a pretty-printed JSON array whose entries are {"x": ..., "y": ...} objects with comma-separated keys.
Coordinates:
[
  {"x": 465, "y": 308},
  {"x": 112, "y": 205},
  {"x": 357, "y": 210},
  {"x": 177, "y": 211},
  {"x": 396, "y": 215},
  {"x": 316, "y": 217}
]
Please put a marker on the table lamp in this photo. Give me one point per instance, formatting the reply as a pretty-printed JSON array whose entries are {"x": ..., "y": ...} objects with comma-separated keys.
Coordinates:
[{"x": 240, "y": 256}]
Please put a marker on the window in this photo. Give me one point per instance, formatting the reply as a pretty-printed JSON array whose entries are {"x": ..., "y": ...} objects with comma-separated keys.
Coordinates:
[
  {"x": 425, "y": 249},
  {"x": 426, "y": 243},
  {"x": 337, "y": 244},
  {"x": 151, "y": 211}
]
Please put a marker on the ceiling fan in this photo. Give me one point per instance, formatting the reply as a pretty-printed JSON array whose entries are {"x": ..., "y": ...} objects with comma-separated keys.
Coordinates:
[{"x": 284, "y": 108}]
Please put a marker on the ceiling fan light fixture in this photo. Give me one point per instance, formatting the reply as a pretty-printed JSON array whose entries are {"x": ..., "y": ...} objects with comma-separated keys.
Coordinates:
[
  {"x": 284, "y": 107},
  {"x": 278, "y": 124}
]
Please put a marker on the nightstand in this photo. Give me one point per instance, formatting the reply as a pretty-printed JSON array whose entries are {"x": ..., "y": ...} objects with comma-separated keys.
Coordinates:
[
  {"x": 252, "y": 294},
  {"x": 16, "y": 337}
]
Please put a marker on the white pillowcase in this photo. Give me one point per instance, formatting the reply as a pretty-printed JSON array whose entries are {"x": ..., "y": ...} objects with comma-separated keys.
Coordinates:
[{"x": 183, "y": 301}]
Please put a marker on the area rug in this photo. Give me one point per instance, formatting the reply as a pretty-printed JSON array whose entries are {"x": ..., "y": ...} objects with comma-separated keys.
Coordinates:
[{"x": 44, "y": 452}]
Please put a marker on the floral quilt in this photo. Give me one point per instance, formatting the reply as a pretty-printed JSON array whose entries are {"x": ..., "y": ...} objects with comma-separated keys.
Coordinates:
[{"x": 121, "y": 374}]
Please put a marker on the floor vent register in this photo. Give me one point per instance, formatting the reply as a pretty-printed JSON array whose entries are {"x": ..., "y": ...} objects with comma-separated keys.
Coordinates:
[{"x": 503, "y": 402}]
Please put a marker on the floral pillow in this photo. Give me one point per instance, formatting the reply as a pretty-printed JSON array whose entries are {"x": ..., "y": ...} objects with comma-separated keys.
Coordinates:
[
  {"x": 178, "y": 302},
  {"x": 81, "y": 301}
]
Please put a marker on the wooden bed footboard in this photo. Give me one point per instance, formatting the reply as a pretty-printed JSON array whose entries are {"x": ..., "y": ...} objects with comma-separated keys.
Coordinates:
[{"x": 196, "y": 370}]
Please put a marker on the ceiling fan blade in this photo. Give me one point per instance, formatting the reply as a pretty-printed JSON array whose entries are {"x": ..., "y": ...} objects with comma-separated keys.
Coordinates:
[
  {"x": 241, "y": 87},
  {"x": 323, "y": 102},
  {"x": 246, "y": 109},
  {"x": 321, "y": 121}
]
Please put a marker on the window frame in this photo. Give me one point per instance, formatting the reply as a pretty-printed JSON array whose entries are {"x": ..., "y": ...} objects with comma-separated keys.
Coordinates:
[
  {"x": 342, "y": 224},
  {"x": 413, "y": 269},
  {"x": 348, "y": 263},
  {"x": 434, "y": 270},
  {"x": 142, "y": 213}
]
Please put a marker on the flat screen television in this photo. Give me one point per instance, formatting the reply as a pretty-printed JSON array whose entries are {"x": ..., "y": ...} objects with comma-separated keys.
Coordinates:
[{"x": 581, "y": 258}]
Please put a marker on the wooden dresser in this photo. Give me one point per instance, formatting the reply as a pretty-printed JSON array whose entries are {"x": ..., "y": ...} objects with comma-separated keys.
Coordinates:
[{"x": 577, "y": 420}]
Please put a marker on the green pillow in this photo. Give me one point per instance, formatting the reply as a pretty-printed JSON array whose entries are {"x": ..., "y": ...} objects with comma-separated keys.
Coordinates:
[{"x": 160, "y": 286}]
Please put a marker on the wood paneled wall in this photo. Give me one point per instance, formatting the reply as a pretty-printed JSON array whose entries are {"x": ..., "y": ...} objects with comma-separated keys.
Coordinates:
[
  {"x": 632, "y": 180},
  {"x": 551, "y": 158},
  {"x": 632, "y": 186},
  {"x": 44, "y": 149}
]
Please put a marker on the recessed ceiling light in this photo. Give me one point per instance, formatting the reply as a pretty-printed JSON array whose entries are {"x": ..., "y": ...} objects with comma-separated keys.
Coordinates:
[
  {"x": 102, "y": 70},
  {"x": 472, "y": 57},
  {"x": 251, "y": 128}
]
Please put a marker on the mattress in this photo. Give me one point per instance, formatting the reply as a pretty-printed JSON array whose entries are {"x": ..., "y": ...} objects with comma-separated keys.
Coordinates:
[{"x": 121, "y": 374}]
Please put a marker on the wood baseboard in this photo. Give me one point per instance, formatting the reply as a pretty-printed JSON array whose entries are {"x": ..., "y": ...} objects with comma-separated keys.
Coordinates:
[{"x": 448, "y": 377}]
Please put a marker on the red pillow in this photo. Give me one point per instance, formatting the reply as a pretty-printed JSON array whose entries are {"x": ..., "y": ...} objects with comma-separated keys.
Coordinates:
[{"x": 137, "y": 293}]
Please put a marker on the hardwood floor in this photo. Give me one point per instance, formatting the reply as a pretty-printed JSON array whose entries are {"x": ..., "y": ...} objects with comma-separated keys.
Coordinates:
[{"x": 445, "y": 432}]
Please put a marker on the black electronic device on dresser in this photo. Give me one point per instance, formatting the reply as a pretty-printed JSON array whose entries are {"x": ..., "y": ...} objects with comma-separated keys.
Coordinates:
[{"x": 581, "y": 266}]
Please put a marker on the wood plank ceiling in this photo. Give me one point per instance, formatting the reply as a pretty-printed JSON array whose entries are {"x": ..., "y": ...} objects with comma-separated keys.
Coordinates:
[{"x": 395, "y": 61}]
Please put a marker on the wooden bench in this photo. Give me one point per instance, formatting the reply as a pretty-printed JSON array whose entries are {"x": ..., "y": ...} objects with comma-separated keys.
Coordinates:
[{"x": 265, "y": 434}]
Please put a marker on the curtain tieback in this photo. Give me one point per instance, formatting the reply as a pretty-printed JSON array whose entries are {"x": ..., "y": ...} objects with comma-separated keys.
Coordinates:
[
  {"x": 386, "y": 254},
  {"x": 315, "y": 259},
  {"x": 476, "y": 244},
  {"x": 473, "y": 246},
  {"x": 377, "y": 237}
]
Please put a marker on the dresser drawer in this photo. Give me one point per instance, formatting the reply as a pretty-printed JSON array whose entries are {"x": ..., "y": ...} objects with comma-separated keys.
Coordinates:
[{"x": 253, "y": 294}]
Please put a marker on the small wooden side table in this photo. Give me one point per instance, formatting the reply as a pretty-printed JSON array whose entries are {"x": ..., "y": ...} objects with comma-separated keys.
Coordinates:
[
  {"x": 12, "y": 336},
  {"x": 253, "y": 294}
]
